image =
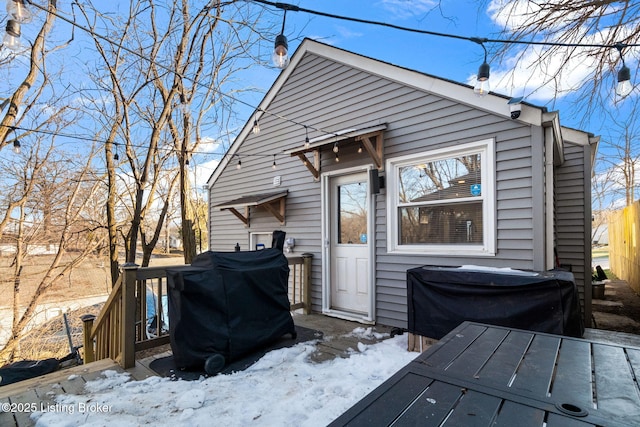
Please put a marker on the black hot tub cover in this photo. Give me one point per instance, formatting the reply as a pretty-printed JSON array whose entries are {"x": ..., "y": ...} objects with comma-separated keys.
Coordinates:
[
  {"x": 228, "y": 303},
  {"x": 440, "y": 298}
]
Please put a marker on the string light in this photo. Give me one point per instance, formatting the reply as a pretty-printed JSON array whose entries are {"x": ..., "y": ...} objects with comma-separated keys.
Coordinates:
[
  {"x": 239, "y": 165},
  {"x": 306, "y": 137},
  {"x": 482, "y": 87},
  {"x": 360, "y": 148},
  {"x": 11, "y": 39},
  {"x": 624, "y": 87},
  {"x": 280, "y": 55},
  {"x": 335, "y": 147},
  {"x": 256, "y": 127},
  {"x": 274, "y": 167}
]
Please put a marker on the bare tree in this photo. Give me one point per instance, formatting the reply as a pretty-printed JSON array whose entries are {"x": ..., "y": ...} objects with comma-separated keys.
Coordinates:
[
  {"x": 42, "y": 164},
  {"x": 594, "y": 34},
  {"x": 620, "y": 159},
  {"x": 166, "y": 67},
  {"x": 34, "y": 82}
]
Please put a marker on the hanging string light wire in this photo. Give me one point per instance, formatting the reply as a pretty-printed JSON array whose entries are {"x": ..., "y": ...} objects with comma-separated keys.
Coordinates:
[{"x": 294, "y": 8}]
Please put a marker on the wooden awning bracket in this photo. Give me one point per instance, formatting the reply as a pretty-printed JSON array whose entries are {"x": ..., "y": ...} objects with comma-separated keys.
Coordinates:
[
  {"x": 374, "y": 151},
  {"x": 274, "y": 203},
  {"x": 314, "y": 167},
  {"x": 244, "y": 218},
  {"x": 371, "y": 139},
  {"x": 277, "y": 209}
]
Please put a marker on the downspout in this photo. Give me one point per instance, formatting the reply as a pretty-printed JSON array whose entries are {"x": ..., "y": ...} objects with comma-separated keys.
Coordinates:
[
  {"x": 549, "y": 206},
  {"x": 553, "y": 156}
]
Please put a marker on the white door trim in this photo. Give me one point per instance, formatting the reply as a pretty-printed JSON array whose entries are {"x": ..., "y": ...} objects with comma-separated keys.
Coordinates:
[{"x": 325, "y": 177}]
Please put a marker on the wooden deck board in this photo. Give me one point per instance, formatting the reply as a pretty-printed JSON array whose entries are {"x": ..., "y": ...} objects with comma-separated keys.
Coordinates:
[
  {"x": 37, "y": 393},
  {"x": 6, "y": 418},
  {"x": 58, "y": 376}
]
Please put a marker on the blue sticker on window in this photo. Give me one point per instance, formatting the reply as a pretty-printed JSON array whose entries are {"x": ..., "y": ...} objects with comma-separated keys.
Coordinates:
[
  {"x": 363, "y": 238},
  {"x": 476, "y": 189}
]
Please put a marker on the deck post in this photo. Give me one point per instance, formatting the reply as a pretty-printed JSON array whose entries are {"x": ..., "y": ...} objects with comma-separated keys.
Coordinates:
[
  {"x": 128, "y": 316},
  {"x": 87, "y": 340},
  {"x": 306, "y": 282}
]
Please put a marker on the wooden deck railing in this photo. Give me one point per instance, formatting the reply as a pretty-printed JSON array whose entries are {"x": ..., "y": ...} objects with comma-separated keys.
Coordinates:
[{"x": 135, "y": 316}]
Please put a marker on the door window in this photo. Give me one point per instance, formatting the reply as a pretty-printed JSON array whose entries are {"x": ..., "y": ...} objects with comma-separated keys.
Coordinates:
[{"x": 352, "y": 213}]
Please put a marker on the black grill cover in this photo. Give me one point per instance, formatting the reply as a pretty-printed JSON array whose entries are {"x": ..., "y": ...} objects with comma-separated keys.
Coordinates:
[
  {"x": 440, "y": 298},
  {"x": 228, "y": 303}
]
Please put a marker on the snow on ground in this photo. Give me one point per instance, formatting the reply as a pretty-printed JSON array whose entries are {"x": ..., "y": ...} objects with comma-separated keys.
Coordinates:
[{"x": 283, "y": 388}]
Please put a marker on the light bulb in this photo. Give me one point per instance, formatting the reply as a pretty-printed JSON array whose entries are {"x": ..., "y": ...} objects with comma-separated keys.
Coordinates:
[
  {"x": 18, "y": 11},
  {"x": 624, "y": 87},
  {"x": 16, "y": 147},
  {"x": 335, "y": 147},
  {"x": 481, "y": 87},
  {"x": 239, "y": 165},
  {"x": 256, "y": 127},
  {"x": 11, "y": 39},
  {"x": 306, "y": 142},
  {"x": 280, "y": 56}
]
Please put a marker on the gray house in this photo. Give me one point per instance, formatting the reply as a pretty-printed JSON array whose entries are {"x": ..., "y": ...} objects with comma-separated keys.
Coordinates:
[{"x": 376, "y": 169}]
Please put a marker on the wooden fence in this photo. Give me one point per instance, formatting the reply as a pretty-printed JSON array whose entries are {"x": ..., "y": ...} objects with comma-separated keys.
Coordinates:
[
  {"x": 135, "y": 316},
  {"x": 624, "y": 254}
]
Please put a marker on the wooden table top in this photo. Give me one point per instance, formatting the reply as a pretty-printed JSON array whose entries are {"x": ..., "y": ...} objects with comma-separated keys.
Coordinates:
[{"x": 483, "y": 375}]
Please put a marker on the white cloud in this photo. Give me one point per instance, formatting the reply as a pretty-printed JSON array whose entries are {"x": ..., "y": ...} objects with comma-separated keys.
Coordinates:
[
  {"x": 511, "y": 14},
  {"x": 201, "y": 173},
  {"x": 540, "y": 77},
  {"x": 209, "y": 145}
]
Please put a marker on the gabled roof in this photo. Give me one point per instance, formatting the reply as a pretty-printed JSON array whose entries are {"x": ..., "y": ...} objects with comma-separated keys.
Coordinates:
[{"x": 459, "y": 92}]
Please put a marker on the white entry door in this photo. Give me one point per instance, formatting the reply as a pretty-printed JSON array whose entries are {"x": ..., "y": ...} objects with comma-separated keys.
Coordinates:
[{"x": 349, "y": 249}]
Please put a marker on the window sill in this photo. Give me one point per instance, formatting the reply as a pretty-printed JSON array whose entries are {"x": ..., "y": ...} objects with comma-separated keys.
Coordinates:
[{"x": 444, "y": 252}]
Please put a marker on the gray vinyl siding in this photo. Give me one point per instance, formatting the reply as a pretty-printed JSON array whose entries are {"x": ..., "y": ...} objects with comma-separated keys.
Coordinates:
[
  {"x": 573, "y": 219},
  {"x": 332, "y": 96}
]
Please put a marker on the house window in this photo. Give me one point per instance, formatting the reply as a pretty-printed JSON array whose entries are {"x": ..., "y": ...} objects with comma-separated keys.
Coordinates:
[{"x": 442, "y": 202}]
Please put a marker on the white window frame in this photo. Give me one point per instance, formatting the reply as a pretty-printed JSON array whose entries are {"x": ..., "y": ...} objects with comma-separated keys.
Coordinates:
[{"x": 486, "y": 148}]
